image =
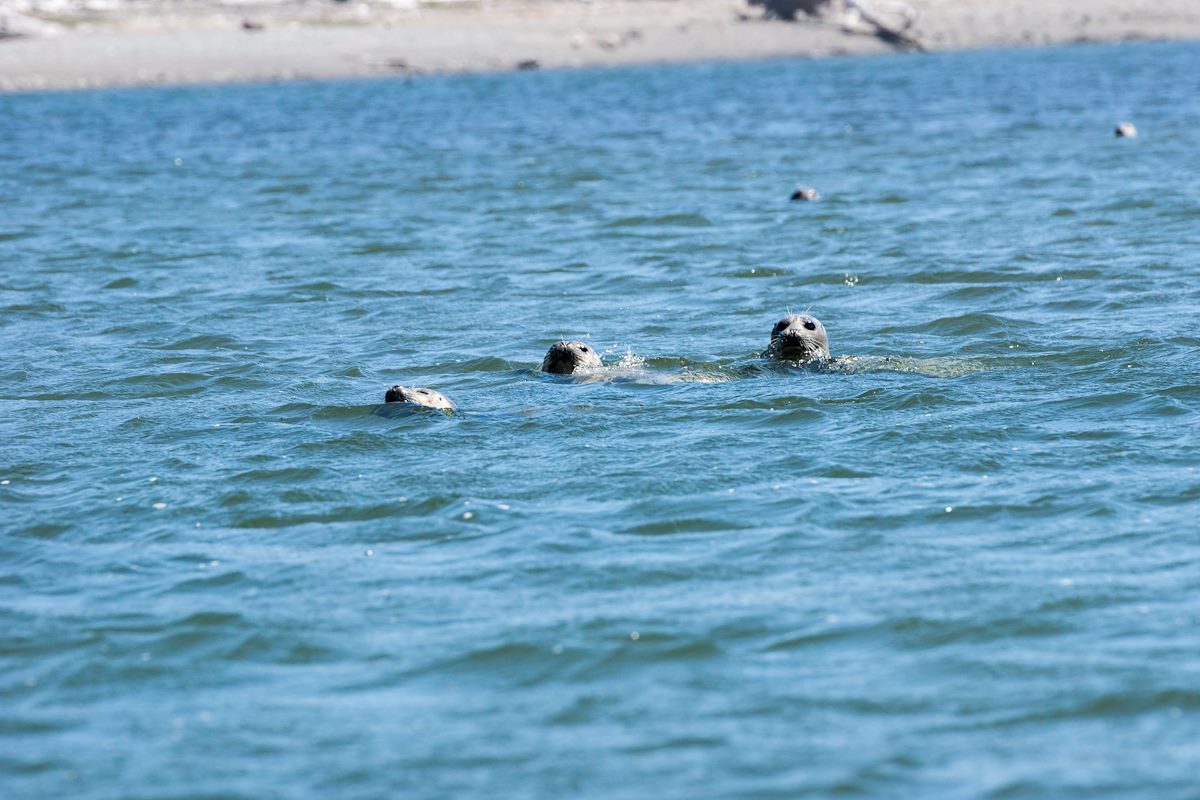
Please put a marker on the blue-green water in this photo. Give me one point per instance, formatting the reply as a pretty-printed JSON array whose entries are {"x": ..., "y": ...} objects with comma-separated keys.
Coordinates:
[{"x": 968, "y": 570}]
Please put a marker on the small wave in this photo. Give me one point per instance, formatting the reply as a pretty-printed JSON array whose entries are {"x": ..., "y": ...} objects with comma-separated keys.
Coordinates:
[
  {"x": 785, "y": 402},
  {"x": 34, "y": 308},
  {"x": 213, "y": 341},
  {"x": 762, "y": 272},
  {"x": 275, "y": 649},
  {"x": 942, "y": 367},
  {"x": 471, "y": 365},
  {"x": 161, "y": 384},
  {"x": 1133, "y": 403},
  {"x": 666, "y": 220},
  {"x": 400, "y": 507},
  {"x": 670, "y": 527},
  {"x": 1108, "y": 704},
  {"x": 72, "y": 395},
  {"x": 677, "y": 743},
  {"x": 219, "y": 580},
  {"x": 16, "y": 725},
  {"x": 791, "y": 417},
  {"x": 285, "y": 475},
  {"x": 935, "y": 277},
  {"x": 967, "y": 325},
  {"x": 1189, "y": 392},
  {"x": 384, "y": 248},
  {"x": 317, "y": 286},
  {"x": 296, "y": 189}
]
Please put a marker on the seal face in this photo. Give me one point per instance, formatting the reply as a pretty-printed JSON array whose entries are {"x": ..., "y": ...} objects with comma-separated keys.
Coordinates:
[
  {"x": 1125, "y": 130},
  {"x": 798, "y": 337},
  {"x": 420, "y": 397},
  {"x": 805, "y": 193},
  {"x": 563, "y": 358}
]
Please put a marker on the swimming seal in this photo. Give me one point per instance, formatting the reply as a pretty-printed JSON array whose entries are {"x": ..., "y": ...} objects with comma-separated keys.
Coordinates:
[
  {"x": 563, "y": 358},
  {"x": 420, "y": 397},
  {"x": 798, "y": 337},
  {"x": 805, "y": 193},
  {"x": 1125, "y": 130}
]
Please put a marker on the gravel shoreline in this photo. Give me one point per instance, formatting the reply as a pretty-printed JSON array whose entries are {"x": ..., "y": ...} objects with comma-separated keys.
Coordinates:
[{"x": 66, "y": 44}]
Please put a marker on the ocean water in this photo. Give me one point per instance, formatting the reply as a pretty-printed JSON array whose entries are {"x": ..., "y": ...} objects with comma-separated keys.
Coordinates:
[{"x": 961, "y": 561}]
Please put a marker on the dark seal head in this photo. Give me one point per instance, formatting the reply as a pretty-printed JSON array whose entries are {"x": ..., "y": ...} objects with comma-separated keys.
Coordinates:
[
  {"x": 420, "y": 397},
  {"x": 563, "y": 358},
  {"x": 1125, "y": 130},
  {"x": 805, "y": 193},
  {"x": 798, "y": 337}
]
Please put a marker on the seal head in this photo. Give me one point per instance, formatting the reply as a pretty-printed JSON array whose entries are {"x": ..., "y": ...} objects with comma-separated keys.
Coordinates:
[
  {"x": 1125, "y": 130},
  {"x": 805, "y": 193},
  {"x": 420, "y": 397},
  {"x": 798, "y": 337},
  {"x": 564, "y": 358}
]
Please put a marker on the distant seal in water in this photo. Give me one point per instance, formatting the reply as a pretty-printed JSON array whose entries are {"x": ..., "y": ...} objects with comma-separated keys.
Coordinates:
[
  {"x": 1125, "y": 130},
  {"x": 563, "y": 358},
  {"x": 805, "y": 193},
  {"x": 798, "y": 337},
  {"x": 420, "y": 397}
]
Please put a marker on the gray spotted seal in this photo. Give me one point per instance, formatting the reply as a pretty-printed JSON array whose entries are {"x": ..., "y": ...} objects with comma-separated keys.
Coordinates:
[
  {"x": 805, "y": 193},
  {"x": 564, "y": 358},
  {"x": 798, "y": 337},
  {"x": 420, "y": 397},
  {"x": 1125, "y": 130}
]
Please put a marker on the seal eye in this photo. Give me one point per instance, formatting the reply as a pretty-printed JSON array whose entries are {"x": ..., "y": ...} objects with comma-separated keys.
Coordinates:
[
  {"x": 812, "y": 326},
  {"x": 583, "y": 347}
]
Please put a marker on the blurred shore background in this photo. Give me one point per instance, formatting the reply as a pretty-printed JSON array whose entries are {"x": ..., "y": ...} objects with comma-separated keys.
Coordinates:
[{"x": 60, "y": 44}]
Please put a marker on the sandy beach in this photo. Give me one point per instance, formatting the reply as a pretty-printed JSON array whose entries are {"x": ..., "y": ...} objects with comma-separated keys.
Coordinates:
[{"x": 63, "y": 44}]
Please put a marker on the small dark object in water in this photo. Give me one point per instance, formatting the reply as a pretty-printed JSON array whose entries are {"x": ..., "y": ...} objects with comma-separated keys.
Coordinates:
[
  {"x": 563, "y": 358},
  {"x": 528, "y": 64},
  {"x": 806, "y": 193},
  {"x": 251, "y": 25},
  {"x": 798, "y": 337},
  {"x": 1125, "y": 130},
  {"x": 420, "y": 397}
]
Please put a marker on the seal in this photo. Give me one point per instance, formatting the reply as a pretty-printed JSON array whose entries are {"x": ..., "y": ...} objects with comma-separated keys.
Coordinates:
[
  {"x": 1125, "y": 130},
  {"x": 420, "y": 397},
  {"x": 563, "y": 358},
  {"x": 798, "y": 337},
  {"x": 805, "y": 193}
]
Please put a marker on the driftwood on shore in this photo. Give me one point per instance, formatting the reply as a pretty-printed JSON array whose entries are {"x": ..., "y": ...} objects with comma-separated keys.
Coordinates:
[
  {"x": 852, "y": 11},
  {"x": 787, "y": 9}
]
